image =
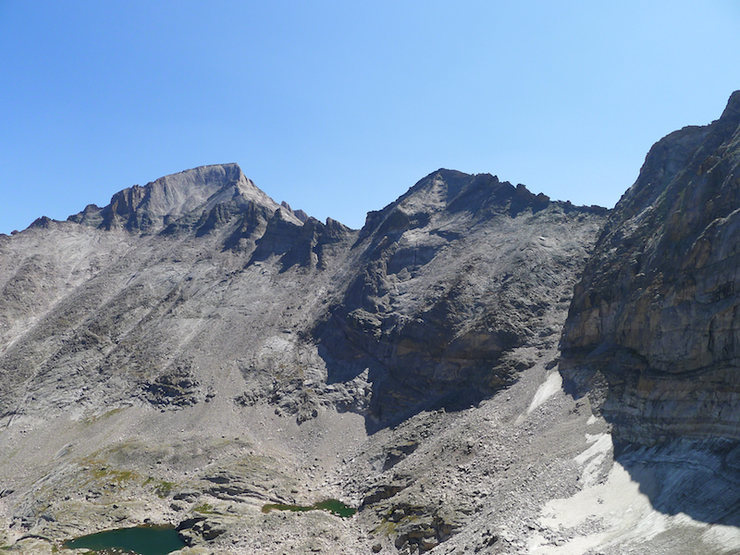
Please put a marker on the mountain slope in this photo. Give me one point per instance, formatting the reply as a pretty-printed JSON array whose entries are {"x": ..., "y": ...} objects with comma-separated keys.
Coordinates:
[
  {"x": 656, "y": 315},
  {"x": 195, "y": 309},
  {"x": 452, "y": 283},
  {"x": 194, "y": 351}
]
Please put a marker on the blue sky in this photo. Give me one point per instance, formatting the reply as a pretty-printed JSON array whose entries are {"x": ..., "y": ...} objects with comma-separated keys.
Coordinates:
[{"x": 339, "y": 107}]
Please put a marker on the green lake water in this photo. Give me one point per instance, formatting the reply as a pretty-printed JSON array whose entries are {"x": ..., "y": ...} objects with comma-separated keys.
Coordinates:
[
  {"x": 333, "y": 506},
  {"x": 142, "y": 540}
]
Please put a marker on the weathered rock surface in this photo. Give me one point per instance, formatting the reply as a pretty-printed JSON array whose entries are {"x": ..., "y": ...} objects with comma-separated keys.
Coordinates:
[
  {"x": 447, "y": 283},
  {"x": 198, "y": 303},
  {"x": 206, "y": 192},
  {"x": 653, "y": 332},
  {"x": 195, "y": 350}
]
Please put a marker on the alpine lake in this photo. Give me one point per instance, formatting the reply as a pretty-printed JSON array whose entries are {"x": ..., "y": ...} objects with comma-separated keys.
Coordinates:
[
  {"x": 140, "y": 540},
  {"x": 160, "y": 540},
  {"x": 332, "y": 506}
]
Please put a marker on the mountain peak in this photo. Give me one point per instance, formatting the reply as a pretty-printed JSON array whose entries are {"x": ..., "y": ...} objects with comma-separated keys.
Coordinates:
[
  {"x": 732, "y": 110},
  {"x": 173, "y": 196}
]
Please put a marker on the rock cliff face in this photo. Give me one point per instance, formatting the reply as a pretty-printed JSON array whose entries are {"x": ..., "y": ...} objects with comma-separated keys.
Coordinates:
[
  {"x": 452, "y": 283},
  {"x": 653, "y": 332}
]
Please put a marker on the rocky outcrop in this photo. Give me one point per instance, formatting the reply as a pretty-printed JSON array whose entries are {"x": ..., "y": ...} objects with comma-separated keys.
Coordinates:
[
  {"x": 297, "y": 242},
  {"x": 449, "y": 281},
  {"x": 653, "y": 333},
  {"x": 203, "y": 196}
]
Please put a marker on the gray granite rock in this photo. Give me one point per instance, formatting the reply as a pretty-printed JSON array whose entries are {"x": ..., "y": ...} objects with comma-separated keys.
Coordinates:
[{"x": 653, "y": 333}]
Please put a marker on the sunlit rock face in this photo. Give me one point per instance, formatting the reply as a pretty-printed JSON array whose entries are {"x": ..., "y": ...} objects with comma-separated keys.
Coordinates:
[{"x": 653, "y": 332}]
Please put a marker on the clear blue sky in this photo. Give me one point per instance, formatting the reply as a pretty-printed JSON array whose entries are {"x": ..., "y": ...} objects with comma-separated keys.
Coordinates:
[{"x": 339, "y": 107}]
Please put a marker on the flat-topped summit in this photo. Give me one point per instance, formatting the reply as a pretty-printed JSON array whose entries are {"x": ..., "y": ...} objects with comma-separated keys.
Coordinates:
[{"x": 165, "y": 200}]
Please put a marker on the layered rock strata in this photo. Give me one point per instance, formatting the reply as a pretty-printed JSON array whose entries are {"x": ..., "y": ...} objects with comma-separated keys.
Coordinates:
[{"x": 653, "y": 332}]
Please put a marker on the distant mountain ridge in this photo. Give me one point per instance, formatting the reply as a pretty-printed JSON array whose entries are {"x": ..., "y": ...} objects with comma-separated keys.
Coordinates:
[
  {"x": 448, "y": 215},
  {"x": 169, "y": 198}
]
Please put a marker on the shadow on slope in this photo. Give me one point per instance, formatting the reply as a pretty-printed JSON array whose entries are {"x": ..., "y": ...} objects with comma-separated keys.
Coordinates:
[
  {"x": 652, "y": 332},
  {"x": 699, "y": 479},
  {"x": 396, "y": 395},
  {"x": 447, "y": 283}
]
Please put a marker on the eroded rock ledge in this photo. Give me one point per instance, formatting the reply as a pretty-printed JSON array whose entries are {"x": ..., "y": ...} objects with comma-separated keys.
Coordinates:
[{"x": 653, "y": 332}]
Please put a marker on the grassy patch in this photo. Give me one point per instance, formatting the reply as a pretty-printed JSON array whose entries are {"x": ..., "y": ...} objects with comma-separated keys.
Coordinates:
[
  {"x": 386, "y": 527},
  {"x": 164, "y": 488},
  {"x": 113, "y": 476},
  {"x": 204, "y": 509},
  {"x": 100, "y": 471},
  {"x": 95, "y": 418}
]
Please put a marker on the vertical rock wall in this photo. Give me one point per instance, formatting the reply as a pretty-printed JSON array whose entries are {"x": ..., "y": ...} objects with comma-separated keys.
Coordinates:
[{"x": 653, "y": 332}]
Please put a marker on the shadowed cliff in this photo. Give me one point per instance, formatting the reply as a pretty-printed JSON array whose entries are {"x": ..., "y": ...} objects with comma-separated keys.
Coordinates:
[
  {"x": 453, "y": 283},
  {"x": 653, "y": 332}
]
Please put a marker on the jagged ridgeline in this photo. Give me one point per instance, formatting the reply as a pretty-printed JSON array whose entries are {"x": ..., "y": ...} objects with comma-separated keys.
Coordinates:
[{"x": 430, "y": 304}]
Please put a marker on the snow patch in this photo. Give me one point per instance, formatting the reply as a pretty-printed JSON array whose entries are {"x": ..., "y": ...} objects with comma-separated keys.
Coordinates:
[
  {"x": 549, "y": 387},
  {"x": 594, "y": 456},
  {"x": 601, "y": 445},
  {"x": 616, "y": 508},
  {"x": 722, "y": 537},
  {"x": 615, "y": 513}
]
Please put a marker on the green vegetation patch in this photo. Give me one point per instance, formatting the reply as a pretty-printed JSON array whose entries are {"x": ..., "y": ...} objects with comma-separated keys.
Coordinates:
[
  {"x": 97, "y": 417},
  {"x": 164, "y": 488},
  {"x": 113, "y": 476},
  {"x": 204, "y": 509},
  {"x": 333, "y": 506},
  {"x": 99, "y": 470}
]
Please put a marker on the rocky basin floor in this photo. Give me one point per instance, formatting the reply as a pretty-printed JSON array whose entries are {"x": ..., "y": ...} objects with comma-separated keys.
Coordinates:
[{"x": 528, "y": 471}]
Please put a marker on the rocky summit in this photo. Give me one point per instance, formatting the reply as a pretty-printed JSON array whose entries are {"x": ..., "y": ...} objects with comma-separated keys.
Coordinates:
[{"x": 479, "y": 369}]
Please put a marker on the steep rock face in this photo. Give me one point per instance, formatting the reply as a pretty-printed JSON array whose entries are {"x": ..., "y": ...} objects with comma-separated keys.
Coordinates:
[
  {"x": 450, "y": 281},
  {"x": 128, "y": 299},
  {"x": 653, "y": 333},
  {"x": 205, "y": 189}
]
